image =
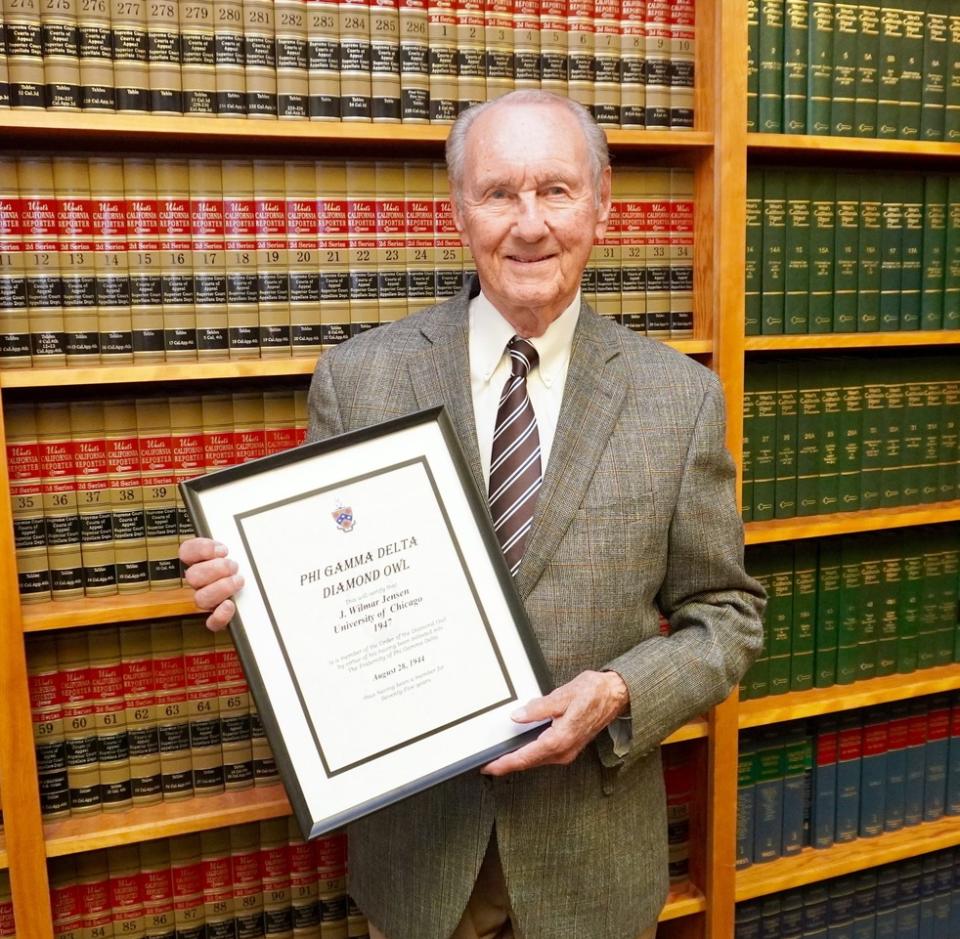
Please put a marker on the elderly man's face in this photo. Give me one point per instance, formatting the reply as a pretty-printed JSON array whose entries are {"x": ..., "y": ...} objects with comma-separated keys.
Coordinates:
[{"x": 529, "y": 211}]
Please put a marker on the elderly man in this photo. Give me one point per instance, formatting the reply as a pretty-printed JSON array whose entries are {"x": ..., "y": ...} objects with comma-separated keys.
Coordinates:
[{"x": 612, "y": 495}]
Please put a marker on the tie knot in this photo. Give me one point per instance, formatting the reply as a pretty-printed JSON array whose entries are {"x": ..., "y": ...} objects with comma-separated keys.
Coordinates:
[{"x": 523, "y": 357}]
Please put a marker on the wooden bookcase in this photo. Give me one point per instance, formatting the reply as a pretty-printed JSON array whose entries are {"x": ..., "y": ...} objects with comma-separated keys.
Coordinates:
[{"x": 718, "y": 151}]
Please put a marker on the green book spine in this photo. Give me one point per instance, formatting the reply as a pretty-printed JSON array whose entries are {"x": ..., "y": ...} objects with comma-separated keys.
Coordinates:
[
  {"x": 846, "y": 254},
  {"x": 868, "y": 276},
  {"x": 934, "y": 251},
  {"x": 891, "y": 53},
  {"x": 851, "y": 437},
  {"x": 891, "y": 475},
  {"x": 804, "y": 616},
  {"x": 827, "y": 612},
  {"x": 820, "y": 68},
  {"x": 763, "y": 377},
  {"x": 756, "y": 683},
  {"x": 749, "y": 432},
  {"x": 753, "y": 65},
  {"x": 911, "y": 282},
  {"x": 796, "y": 48},
  {"x": 871, "y": 577},
  {"x": 753, "y": 261},
  {"x": 911, "y": 436},
  {"x": 910, "y": 602},
  {"x": 930, "y": 601},
  {"x": 781, "y": 618},
  {"x": 951, "y": 274},
  {"x": 822, "y": 234},
  {"x": 951, "y": 115},
  {"x": 949, "y": 448},
  {"x": 950, "y": 566},
  {"x": 796, "y": 281},
  {"x": 770, "y": 81},
  {"x": 911, "y": 69},
  {"x": 831, "y": 404},
  {"x": 891, "y": 254},
  {"x": 809, "y": 423},
  {"x": 933, "y": 95},
  {"x": 935, "y": 386},
  {"x": 785, "y": 490},
  {"x": 844, "y": 88},
  {"x": 774, "y": 246},
  {"x": 872, "y": 440},
  {"x": 848, "y": 635},
  {"x": 868, "y": 73},
  {"x": 888, "y": 631}
]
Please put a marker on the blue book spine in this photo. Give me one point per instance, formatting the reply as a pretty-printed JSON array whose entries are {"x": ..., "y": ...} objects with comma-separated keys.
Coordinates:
[
  {"x": 747, "y": 921},
  {"x": 873, "y": 773},
  {"x": 824, "y": 809},
  {"x": 768, "y": 812},
  {"x": 935, "y": 757},
  {"x": 865, "y": 905},
  {"x": 796, "y": 755},
  {"x": 896, "y": 790},
  {"x": 916, "y": 749},
  {"x": 944, "y": 897},
  {"x": 791, "y": 915},
  {"x": 840, "y": 909},
  {"x": 952, "y": 805},
  {"x": 816, "y": 902},
  {"x": 928, "y": 893},
  {"x": 848, "y": 778},
  {"x": 887, "y": 902},
  {"x": 908, "y": 899},
  {"x": 746, "y": 800},
  {"x": 770, "y": 918},
  {"x": 955, "y": 895}
]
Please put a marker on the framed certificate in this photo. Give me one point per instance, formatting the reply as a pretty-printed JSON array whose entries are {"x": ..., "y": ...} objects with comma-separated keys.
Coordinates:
[{"x": 379, "y": 628}]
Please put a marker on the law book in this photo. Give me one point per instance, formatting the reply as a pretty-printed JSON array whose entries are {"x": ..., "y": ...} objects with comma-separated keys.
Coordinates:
[
  {"x": 915, "y": 400},
  {"x": 851, "y": 589},
  {"x": 844, "y": 73},
  {"x": 186, "y": 872},
  {"x": 186, "y": 444},
  {"x": 873, "y": 772},
  {"x": 849, "y": 754},
  {"x": 64, "y": 897},
  {"x": 290, "y": 40},
  {"x": 140, "y": 706},
  {"x": 933, "y": 92},
  {"x": 823, "y": 796},
  {"x": 785, "y": 440},
  {"x": 951, "y": 110},
  {"x": 265, "y": 772},
  {"x": 334, "y": 243},
  {"x": 217, "y": 884},
  {"x": 442, "y": 42},
  {"x": 157, "y": 889},
  {"x": 581, "y": 77},
  {"x": 176, "y": 259},
  {"x": 911, "y": 68},
  {"x": 303, "y": 276},
  {"x": 768, "y": 810},
  {"x": 797, "y": 760},
  {"x": 202, "y": 707},
  {"x": 323, "y": 61},
  {"x": 682, "y": 64},
  {"x": 629, "y": 193},
  {"x": 247, "y": 881},
  {"x": 240, "y": 242},
  {"x": 273, "y": 295},
  {"x": 274, "y": 865},
  {"x": 891, "y": 255},
  {"x": 44, "y": 683},
  {"x": 198, "y": 62},
  {"x": 846, "y": 253},
  {"x": 158, "y": 479},
  {"x": 888, "y": 605},
  {"x": 819, "y": 67},
  {"x": 61, "y": 56},
  {"x": 891, "y": 472},
  {"x": 554, "y": 49},
  {"x": 449, "y": 252},
  {"x": 871, "y": 253},
  {"x": 885, "y": 901},
  {"x": 173, "y": 726},
  {"x": 910, "y": 605},
  {"x": 657, "y": 274},
  {"x": 678, "y": 778},
  {"x": 419, "y": 247},
  {"x": 796, "y": 253},
  {"x": 908, "y": 897},
  {"x": 633, "y": 64},
  {"x": 93, "y": 887},
  {"x": 355, "y": 89},
  {"x": 219, "y": 439},
  {"x": 606, "y": 61},
  {"x": 14, "y": 322},
  {"x": 773, "y": 271},
  {"x": 928, "y": 471},
  {"x": 936, "y": 754},
  {"x": 796, "y": 50},
  {"x": 933, "y": 263},
  {"x": 24, "y": 53},
  {"x": 260, "y": 59},
  {"x": 208, "y": 258},
  {"x": 746, "y": 800},
  {"x": 234, "y": 707},
  {"x": 607, "y": 262},
  {"x": 827, "y": 612},
  {"x": 229, "y": 58},
  {"x": 249, "y": 435},
  {"x": 471, "y": 65},
  {"x": 414, "y": 55},
  {"x": 79, "y": 722},
  {"x": 657, "y": 65},
  {"x": 4, "y": 75},
  {"x": 850, "y": 438},
  {"x": 912, "y": 272},
  {"x": 756, "y": 682},
  {"x": 928, "y": 888},
  {"x": 868, "y": 70},
  {"x": 386, "y": 106},
  {"x": 771, "y": 63},
  {"x": 811, "y": 437},
  {"x": 952, "y": 797},
  {"x": 868, "y": 608},
  {"x": 113, "y": 751},
  {"x": 754, "y": 253},
  {"x": 891, "y": 61},
  {"x": 681, "y": 253},
  {"x": 929, "y": 607},
  {"x": 895, "y": 765},
  {"x": 128, "y": 24},
  {"x": 95, "y": 56},
  {"x": 951, "y": 280},
  {"x": 761, "y": 385},
  {"x": 390, "y": 259},
  {"x": 499, "y": 63},
  {"x": 804, "y": 616},
  {"x": 112, "y": 279},
  {"x": 780, "y": 617},
  {"x": 947, "y": 481},
  {"x": 873, "y": 433},
  {"x": 356, "y": 922},
  {"x": 163, "y": 57},
  {"x": 330, "y": 855},
  {"x": 362, "y": 253},
  {"x": 126, "y": 890},
  {"x": 304, "y": 891},
  {"x": 831, "y": 397},
  {"x": 915, "y": 762},
  {"x": 948, "y": 591}
]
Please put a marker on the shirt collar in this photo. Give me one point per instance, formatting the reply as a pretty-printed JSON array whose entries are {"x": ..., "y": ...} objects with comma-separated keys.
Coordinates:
[{"x": 490, "y": 333}]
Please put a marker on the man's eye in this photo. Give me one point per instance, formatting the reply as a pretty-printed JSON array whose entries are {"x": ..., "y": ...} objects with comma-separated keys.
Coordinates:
[
  {"x": 498, "y": 194},
  {"x": 556, "y": 191}
]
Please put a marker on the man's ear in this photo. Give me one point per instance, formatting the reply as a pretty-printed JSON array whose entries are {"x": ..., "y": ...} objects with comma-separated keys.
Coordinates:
[
  {"x": 603, "y": 213},
  {"x": 457, "y": 214}
]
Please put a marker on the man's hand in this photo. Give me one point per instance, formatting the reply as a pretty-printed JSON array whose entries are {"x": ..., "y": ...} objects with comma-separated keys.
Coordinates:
[
  {"x": 214, "y": 578},
  {"x": 580, "y": 710}
]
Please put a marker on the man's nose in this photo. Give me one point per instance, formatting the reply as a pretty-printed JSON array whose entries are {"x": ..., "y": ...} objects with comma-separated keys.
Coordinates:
[{"x": 531, "y": 221}]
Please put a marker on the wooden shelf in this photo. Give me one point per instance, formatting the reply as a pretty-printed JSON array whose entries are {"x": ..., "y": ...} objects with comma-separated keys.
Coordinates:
[
  {"x": 96, "y": 611},
  {"x": 844, "y": 523},
  {"x": 797, "y": 704},
  {"x": 696, "y": 729},
  {"x": 811, "y": 866},
  {"x": 933, "y": 337},
  {"x": 685, "y": 902},
  {"x": 797, "y": 144},
  {"x": 164, "y": 820},
  {"x": 4, "y": 861}
]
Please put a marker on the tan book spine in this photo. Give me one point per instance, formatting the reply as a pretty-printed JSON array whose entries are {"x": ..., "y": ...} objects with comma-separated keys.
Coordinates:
[
  {"x": 554, "y": 51},
  {"x": 143, "y": 258},
  {"x": 93, "y": 882},
  {"x": 41, "y": 257},
  {"x": 681, "y": 253},
  {"x": 442, "y": 42},
  {"x": 658, "y": 65},
  {"x": 79, "y": 722},
  {"x": 323, "y": 60},
  {"x": 209, "y": 259},
  {"x": 418, "y": 224},
  {"x": 334, "y": 233},
  {"x": 682, "y": 55},
  {"x": 273, "y": 295},
  {"x": 234, "y": 705},
  {"x": 163, "y": 57},
  {"x": 93, "y": 498},
  {"x": 113, "y": 746},
  {"x": 8, "y": 928},
  {"x": 385, "y": 98},
  {"x": 278, "y": 420},
  {"x": 633, "y": 63},
  {"x": 186, "y": 435},
  {"x": 448, "y": 252},
  {"x": 61, "y": 56},
  {"x": 414, "y": 62},
  {"x": 526, "y": 44},
  {"x": 301, "y": 415},
  {"x": 330, "y": 855},
  {"x": 157, "y": 885},
  {"x": 628, "y": 195},
  {"x": 4, "y": 73},
  {"x": 247, "y": 882},
  {"x": 265, "y": 772},
  {"x": 64, "y": 897},
  {"x": 217, "y": 879},
  {"x": 471, "y": 59},
  {"x": 59, "y": 481},
  {"x": 260, "y": 60},
  {"x": 26, "y": 501},
  {"x": 606, "y": 62},
  {"x": 293, "y": 89},
  {"x": 356, "y": 922},
  {"x": 126, "y": 890},
  {"x": 126, "y": 495},
  {"x": 303, "y": 258},
  {"x": 140, "y": 707},
  {"x": 173, "y": 726},
  {"x": 95, "y": 48},
  {"x": 78, "y": 281},
  {"x": 391, "y": 241},
  {"x": 176, "y": 259},
  {"x": 606, "y": 256},
  {"x": 276, "y": 875},
  {"x": 131, "y": 78},
  {"x": 657, "y": 183},
  {"x": 499, "y": 32},
  {"x": 110, "y": 259},
  {"x": 24, "y": 45},
  {"x": 203, "y": 710},
  {"x": 46, "y": 712},
  {"x": 304, "y": 892},
  {"x": 240, "y": 238},
  {"x": 14, "y": 321},
  {"x": 197, "y": 57},
  {"x": 186, "y": 870},
  {"x": 229, "y": 58},
  {"x": 580, "y": 43},
  {"x": 219, "y": 445},
  {"x": 249, "y": 435},
  {"x": 353, "y": 26},
  {"x": 362, "y": 223},
  {"x": 159, "y": 492}
]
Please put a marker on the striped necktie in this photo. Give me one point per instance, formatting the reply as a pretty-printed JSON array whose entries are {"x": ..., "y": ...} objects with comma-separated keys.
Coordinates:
[{"x": 515, "y": 459}]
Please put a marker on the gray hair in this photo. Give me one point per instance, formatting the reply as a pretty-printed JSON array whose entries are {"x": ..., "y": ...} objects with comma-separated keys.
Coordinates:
[{"x": 593, "y": 135}]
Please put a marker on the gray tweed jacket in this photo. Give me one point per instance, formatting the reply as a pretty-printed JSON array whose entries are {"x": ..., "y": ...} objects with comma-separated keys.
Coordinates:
[{"x": 636, "y": 516}]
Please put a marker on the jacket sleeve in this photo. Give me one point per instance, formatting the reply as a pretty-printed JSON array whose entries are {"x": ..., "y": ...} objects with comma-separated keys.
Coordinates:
[{"x": 323, "y": 406}]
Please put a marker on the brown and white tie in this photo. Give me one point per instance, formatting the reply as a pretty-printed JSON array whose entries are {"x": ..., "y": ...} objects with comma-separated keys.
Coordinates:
[{"x": 515, "y": 474}]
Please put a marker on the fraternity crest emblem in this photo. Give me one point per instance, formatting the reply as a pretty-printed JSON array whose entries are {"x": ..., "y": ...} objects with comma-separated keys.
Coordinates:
[{"x": 343, "y": 516}]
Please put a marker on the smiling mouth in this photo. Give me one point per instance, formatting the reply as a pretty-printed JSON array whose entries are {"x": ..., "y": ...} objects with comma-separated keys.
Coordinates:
[{"x": 537, "y": 260}]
